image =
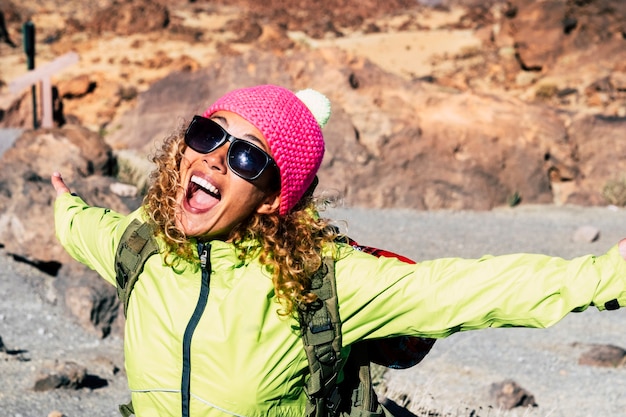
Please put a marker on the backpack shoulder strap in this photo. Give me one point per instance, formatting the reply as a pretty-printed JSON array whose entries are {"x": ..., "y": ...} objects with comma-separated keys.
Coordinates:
[
  {"x": 135, "y": 247},
  {"x": 321, "y": 334}
]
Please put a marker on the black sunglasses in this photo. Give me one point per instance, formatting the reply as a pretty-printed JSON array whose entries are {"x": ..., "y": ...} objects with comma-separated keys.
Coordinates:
[{"x": 244, "y": 158}]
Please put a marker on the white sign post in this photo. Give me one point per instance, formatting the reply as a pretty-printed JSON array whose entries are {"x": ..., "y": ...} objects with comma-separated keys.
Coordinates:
[{"x": 42, "y": 75}]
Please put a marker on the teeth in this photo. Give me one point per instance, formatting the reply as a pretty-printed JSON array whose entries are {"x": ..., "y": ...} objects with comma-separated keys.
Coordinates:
[{"x": 204, "y": 184}]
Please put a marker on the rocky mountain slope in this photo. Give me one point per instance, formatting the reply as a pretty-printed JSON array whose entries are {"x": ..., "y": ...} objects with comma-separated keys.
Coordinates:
[{"x": 438, "y": 104}]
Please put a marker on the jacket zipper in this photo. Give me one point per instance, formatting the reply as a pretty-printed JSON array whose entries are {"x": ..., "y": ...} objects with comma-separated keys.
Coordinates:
[{"x": 204, "y": 249}]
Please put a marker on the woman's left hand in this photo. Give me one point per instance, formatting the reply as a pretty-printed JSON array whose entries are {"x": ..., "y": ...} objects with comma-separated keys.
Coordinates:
[{"x": 59, "y": 184}]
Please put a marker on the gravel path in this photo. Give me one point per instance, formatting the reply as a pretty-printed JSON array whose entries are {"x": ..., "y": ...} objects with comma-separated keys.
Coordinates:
[{"x": 454, "y": 379}]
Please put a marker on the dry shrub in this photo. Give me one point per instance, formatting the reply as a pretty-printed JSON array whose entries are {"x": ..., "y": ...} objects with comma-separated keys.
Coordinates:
[{"x": 614, "y": 192}]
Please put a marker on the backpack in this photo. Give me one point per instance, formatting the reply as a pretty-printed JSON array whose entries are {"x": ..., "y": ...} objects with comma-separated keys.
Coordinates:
[{"x": 320, "y": 325}]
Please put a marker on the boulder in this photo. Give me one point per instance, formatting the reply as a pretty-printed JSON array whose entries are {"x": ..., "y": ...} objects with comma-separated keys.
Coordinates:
[
  {"x": 27, "y": 222},
  {"x": 26, "y": 195}
]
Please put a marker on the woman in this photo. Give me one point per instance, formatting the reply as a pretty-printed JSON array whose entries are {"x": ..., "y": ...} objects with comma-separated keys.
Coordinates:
[{"x": 212, "y": 324}]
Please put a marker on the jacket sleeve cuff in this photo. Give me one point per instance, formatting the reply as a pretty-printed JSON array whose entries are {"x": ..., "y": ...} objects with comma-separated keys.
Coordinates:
[{"x": 611, "y": 293}]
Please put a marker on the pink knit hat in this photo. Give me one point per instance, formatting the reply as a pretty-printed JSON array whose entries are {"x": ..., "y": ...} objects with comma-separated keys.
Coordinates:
[{"x": 292, "y": 132}]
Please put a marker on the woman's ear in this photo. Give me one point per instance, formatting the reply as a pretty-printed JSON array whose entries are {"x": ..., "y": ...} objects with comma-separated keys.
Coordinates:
[{"x": 270, "y": 205}]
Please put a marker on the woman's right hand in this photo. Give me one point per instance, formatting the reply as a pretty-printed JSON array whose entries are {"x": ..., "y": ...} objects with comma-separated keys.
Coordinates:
[{"x": 59, "y": 184}]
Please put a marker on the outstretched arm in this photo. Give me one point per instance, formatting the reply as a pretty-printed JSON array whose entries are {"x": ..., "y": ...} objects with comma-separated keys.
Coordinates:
[
  {"x": 89, "y": 234},
  {"x": 442, "y": 296}
]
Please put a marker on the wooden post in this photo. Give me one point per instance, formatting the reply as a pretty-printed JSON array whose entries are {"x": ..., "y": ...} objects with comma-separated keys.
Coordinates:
[
  {"x": 28, "y": 30},
  {"x": 42, "y": 75}
]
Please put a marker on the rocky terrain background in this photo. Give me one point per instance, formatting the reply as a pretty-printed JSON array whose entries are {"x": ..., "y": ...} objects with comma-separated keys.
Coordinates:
[
  {"x": 464, "y": 104},
  {"x": 437, "y": 105}
]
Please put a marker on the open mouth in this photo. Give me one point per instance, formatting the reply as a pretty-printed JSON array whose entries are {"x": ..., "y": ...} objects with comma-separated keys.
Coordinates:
[{"x": 201, "y": 194}]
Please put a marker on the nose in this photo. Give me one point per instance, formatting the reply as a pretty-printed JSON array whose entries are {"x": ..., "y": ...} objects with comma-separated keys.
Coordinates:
[{"x": 217, "y": 159}]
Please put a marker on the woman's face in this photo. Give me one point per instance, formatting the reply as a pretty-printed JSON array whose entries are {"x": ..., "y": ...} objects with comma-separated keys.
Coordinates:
[{"x": 213, "y": 199}]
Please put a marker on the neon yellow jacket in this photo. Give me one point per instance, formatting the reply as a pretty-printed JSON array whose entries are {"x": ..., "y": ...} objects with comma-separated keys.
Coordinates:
[{"x": 244, "y": 360}]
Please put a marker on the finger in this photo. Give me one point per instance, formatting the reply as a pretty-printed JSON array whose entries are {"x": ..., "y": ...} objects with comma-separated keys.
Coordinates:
[
  {"x": 59, "y": 184},
  {"x": 622, "y": 248}
]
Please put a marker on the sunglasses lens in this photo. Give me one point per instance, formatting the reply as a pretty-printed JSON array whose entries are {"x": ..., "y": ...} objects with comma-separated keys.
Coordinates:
[
  {"x": 246, "y": 160},
  {"x": 204, "y": 135}
]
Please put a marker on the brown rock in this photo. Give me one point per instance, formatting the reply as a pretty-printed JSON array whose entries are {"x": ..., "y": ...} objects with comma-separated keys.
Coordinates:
[
  {"x": 185, "y": 63},
  {"x": 538, "y": 32},
  {"x": 604, "y": 356},
  {"x": 12, "y": 12},
  {"x": 94, "y": 306},
  {"x": 618, "y": 80},
  {"x": 508, "y": 394},
  {"x": 18, "y": 112},
  {"x": 127, "y": 18},
  {"x": 105, "y": 366},
  {"x": 101, "y": 100},
  {"x": 60, "y": 375},
  {"x": 245, "y": 30},
  {"x": 275, "y": 38},
  {"x": 543, "y": 31},
  {"x": 13, "y": 354},
  {"x": 76, "y": 87}
]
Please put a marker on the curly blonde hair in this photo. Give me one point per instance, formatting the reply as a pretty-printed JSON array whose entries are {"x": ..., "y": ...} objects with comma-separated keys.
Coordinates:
[
  {"x": 160, "y": 200},
  {"x": 289, "y": 246}
]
